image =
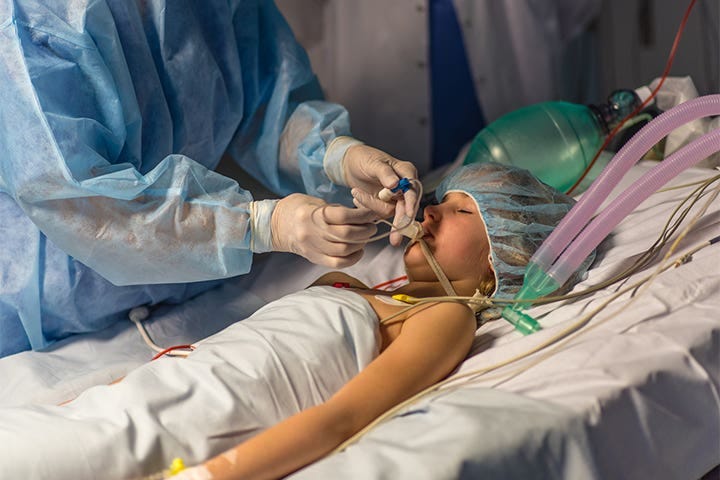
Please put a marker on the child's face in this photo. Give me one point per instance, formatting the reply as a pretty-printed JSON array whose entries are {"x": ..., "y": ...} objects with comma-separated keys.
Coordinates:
[{"x": 456, "y": 236}]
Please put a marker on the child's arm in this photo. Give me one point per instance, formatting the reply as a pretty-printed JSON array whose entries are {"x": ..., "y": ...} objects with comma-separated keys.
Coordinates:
[{"x": 431, "y": 344}]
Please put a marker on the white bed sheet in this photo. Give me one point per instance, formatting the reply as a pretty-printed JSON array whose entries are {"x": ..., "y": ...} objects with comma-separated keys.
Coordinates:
[{"x": 633, "y": 397}]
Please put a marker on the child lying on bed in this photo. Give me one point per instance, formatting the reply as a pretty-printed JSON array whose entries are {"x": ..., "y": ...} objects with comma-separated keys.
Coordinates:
[
  {"x": 321, "y": 362},
  {"x": 425, "y": 344}
]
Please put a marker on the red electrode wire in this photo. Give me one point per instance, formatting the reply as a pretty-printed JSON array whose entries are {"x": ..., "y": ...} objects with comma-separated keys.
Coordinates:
[
  {"x": 389, "y": 282},
  {"x": 170, "y": 349},
  {"x": 619, "y": 126}
]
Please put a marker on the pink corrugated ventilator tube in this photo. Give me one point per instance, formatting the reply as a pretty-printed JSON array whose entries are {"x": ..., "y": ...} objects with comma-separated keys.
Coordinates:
[{"x": 564, "y": 250}]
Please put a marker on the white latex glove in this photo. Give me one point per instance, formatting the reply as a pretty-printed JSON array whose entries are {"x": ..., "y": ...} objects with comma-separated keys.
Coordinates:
[
  {"x": 368, "y": 170},
  {"x": 330, "y": 235},
  {"x": 401, "y": 220}
]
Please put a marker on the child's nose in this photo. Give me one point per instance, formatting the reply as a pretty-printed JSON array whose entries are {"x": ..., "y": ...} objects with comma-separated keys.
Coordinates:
[{"x": 432, "y": 212}]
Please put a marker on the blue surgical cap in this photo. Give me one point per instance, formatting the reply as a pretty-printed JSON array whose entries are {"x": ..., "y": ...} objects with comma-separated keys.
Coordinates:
[{"x": 519, "y": 212}]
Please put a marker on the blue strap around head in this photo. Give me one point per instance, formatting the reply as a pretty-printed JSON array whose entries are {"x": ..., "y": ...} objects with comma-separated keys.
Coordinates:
[{"x": 456, "y": 112}]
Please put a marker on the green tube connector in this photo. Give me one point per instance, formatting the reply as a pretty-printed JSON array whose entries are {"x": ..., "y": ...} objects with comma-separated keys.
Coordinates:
[
  {"x": 536, "y": 284},
  {"x": 522, "y": 322}
]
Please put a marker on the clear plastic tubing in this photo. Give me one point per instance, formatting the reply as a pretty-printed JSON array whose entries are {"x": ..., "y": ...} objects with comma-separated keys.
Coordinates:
[
  {"x": 628, "y": 200},
  {"x": 628, "y": 155}
]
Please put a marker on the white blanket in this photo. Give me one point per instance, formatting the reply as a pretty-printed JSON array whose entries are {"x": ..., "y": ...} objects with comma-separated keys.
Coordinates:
[
  {"x": 634, "y": 396},
  {"x": 290, "y": 355}
]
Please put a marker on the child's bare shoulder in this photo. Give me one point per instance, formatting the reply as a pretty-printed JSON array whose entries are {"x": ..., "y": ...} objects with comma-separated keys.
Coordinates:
[{"x": 445, "y": 312}]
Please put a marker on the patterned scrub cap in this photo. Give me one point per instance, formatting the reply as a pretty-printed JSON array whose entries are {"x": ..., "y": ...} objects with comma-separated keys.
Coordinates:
[{"x": 519, "y": 212}]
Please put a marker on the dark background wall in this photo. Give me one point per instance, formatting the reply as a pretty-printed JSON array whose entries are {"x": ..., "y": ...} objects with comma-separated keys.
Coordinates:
[{"x": 635, "y": 37}]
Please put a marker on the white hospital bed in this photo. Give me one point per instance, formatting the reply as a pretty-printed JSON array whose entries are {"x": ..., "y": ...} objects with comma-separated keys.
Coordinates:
[{"x": 635, "y": 395}]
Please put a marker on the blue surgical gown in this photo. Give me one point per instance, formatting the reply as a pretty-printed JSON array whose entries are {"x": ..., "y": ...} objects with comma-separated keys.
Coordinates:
[{"x": 113, "y": 115}]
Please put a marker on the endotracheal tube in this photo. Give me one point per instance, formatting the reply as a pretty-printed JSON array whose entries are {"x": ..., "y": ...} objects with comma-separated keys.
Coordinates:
[{"x": 411, "y": 228}]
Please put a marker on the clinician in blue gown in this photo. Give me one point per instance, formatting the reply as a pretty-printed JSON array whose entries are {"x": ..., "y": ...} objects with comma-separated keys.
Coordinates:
[{"x": 113, "y": 115}]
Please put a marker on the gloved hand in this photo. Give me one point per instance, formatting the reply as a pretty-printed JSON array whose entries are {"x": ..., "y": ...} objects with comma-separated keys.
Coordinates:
[
  {"x": 330, "y": 235},
  {"x": 368, "y": 170}
]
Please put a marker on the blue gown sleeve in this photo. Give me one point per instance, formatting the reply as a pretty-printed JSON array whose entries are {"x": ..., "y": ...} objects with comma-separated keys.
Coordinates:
[
  {"x": 283, "y": 143},
  {"x": 114, "y": 113}
]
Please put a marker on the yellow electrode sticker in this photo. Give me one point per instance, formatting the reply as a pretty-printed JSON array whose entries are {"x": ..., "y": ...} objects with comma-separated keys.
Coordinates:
[
  {"x": 405, "y": 298},
  {"x": 177, "y": 466}
]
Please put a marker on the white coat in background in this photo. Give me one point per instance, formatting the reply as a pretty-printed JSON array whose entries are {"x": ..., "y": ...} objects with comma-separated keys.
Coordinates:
[{"x": 372, "y": 57}]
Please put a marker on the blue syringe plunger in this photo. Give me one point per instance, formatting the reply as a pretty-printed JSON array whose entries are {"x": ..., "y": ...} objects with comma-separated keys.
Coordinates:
[
  {"x": 388, "y": 194},
  {"x": 403, "y": 186}
]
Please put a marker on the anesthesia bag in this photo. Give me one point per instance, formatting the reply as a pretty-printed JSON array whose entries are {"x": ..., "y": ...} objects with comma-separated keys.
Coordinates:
[{"x": 556, "y": 140}]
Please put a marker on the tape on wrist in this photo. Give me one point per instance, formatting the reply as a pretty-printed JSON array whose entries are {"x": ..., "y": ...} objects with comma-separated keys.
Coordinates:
[
  {"x": 333, "y": 159},
  {"x": 260, "y": 229}
]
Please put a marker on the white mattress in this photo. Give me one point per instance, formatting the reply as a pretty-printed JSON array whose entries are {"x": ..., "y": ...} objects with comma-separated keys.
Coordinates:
[{"x": 633, "y": 396}]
